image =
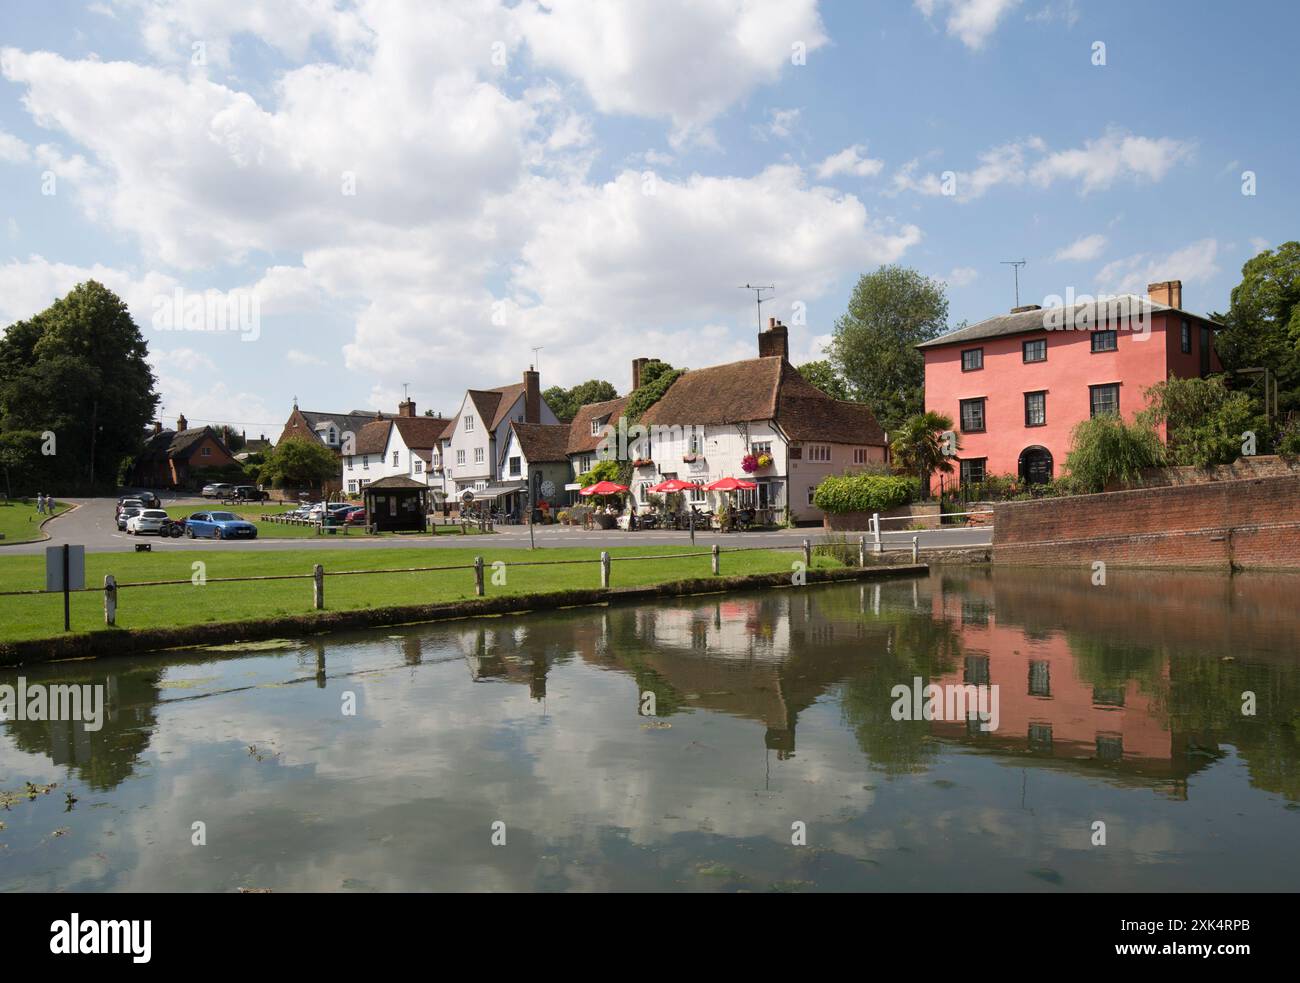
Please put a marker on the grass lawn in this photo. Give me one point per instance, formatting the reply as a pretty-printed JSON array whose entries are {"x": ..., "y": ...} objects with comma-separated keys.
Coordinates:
[
  {"x": 40, "y": 616},
  {"x": 20, "y": 522},
  {"x": 277, "y": 530}
]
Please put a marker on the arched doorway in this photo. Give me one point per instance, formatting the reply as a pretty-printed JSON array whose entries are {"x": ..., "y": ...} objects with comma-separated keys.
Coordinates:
[{"x": 1036, "y": 465}]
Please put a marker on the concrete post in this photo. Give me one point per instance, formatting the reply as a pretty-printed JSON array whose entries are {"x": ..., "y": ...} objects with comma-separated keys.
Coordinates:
[
  {"x": 604, "y": 570},
  {"x": 110, "y": 599},
  {"x": 807, "y": 554},
  {"x": 916, "y": 548},
  {"x": 862, "y": 551},
  {"x": 478, "y": 575},
  {"x": 875, "y": 531},
  {"x": 717, "y": 560}
]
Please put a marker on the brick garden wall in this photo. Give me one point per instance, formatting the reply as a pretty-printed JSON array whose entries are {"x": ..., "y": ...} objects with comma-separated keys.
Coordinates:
[
  {"x": 1263, "y": 466},
  {"x": 1250, "y": 523}
]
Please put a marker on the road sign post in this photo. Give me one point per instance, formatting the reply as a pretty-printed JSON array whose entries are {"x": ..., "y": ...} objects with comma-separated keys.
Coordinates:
[{"x": 65, "y": 570}]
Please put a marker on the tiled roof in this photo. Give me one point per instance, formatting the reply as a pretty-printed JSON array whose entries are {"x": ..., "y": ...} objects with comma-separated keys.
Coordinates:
[
  {"x": 345, "y": 422},
  {"x": 395, "y": 481},
  {"x": 767, "y": 388},
  {"x": 373, "y": 437},
  {"x": 542, "y": 442},
  {"x": 1023, "y": 322},
  {"x": 581, "y": 439},
  {"x": 421, "y": 432},
  {"x": 176, "y": 444}
]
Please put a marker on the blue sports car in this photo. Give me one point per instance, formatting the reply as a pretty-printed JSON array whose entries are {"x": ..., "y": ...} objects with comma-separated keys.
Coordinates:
[{"x": 219, "y": 525}]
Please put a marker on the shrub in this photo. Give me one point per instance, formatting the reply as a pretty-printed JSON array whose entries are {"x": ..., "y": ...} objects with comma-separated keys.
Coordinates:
[
  {"x": 1204, "y": 419},
  {"x": 1106, "y": 449},
  {"x": 865, "y": 493}
]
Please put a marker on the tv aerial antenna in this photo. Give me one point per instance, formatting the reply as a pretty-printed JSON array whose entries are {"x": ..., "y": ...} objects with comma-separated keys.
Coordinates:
[
  {"x": 537, "y": 361},
  {"x": 1015, "y": 265},
  {"x": 759, "y": 298}
]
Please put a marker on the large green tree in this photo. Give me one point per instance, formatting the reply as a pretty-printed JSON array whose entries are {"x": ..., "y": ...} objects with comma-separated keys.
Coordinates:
[
  {"x": 299, "y": 463},
  {"x": 823, "y": 375},
  {"x": 565, "y": 403},
  {"x": 76, "y": 376},
  {"x": 1205, "y": 421},
  {"x": 1262, "y": 325},
  {"x": 890, "y": 312}
]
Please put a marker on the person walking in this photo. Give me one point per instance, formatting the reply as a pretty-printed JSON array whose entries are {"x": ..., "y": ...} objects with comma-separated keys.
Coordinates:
[{"x": 40, "y": 503}]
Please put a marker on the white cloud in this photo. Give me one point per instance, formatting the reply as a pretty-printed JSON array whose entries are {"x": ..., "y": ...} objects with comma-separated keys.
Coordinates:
[
  {"x": 1099, "y": 163},
  {"x": 781, "y": 123},
  {"x": 1194, "y": 263},
  {"x": 972, "y": 21},
  {"x": 1258, "y": 244},
  {"x": 962, "y": 276},
  {"x": 851, "y": 160},
  {"x": 13, "y": 150},
  {"x": 1083, "y": 249},
  {"x": 682, "y": 60},
  {"x": 295, "y": 357},
  {"x": 29, "y": 286}
]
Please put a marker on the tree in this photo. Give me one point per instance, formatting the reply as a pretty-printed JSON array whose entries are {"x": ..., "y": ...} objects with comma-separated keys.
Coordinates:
[
  {"x": 918, "y": 445},
  {"x": 822, "y": 374},
  {"x": 1105, "y": 449},
  {"x": 565, "y": 403},
  {"x": 1205, "y": 421},
  {"x": 77, "y": 371},
  {"x": 1262, "y": 326},
  {"x": 297, "y": 462},
  {"x": 890, "y": 312}
]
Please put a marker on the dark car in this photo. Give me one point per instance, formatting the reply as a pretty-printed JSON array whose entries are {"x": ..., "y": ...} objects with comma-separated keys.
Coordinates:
[
  {"x": 148, "y": 499},
  {"x": 219, "y": 525}
]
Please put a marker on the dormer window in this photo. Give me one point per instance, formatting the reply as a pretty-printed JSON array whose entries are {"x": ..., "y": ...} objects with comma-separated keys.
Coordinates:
[
  {"x": 333, "y": 437},
  {"x": 595, "y": 428}
]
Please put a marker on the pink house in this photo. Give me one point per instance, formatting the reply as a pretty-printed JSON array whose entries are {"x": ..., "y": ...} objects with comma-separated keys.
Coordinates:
[{"x": 1015, "y": 385}]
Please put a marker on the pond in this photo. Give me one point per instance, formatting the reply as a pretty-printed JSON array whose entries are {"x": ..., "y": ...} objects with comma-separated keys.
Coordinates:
[{"x": 1145, "y": 738}]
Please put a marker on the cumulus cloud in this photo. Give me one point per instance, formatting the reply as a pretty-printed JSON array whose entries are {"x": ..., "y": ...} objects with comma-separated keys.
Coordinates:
[
  {"x": 1194, "y": 263},
  {"x": 962, "y": 276},
  {"x": 971, "y": 21},
  {"x": 1099, "y": 163},
  {"x": 680, "y": 60},
  {"x": 851, "y": 161},
  {"x": 1085, "y": 248}
]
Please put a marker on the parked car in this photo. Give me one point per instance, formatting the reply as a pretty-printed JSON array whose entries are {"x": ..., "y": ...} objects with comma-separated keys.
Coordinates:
[
  {"x": 129, "y": 503},
  {"x": 221, "y": 489},
  {"x": 146, "y": 520},
  {"x": 356, "y": 516},
  {"x": 146, "y": 499},
  {"x": 219, "y": 525},
  {"x": 249, "y": 493},
  {"x": 127, "y": 513}
]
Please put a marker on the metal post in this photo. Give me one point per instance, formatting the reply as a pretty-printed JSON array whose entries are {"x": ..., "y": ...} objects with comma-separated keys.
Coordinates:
[
  {"x": 478, "y": 575},
  {"x": 67, "y": 597},
  {"x": 807, "y": 553},
  {"x": 691, "y": 509},
  {"x": 110, "y": 599},
  {"x": 717, "y": 560},
  {"x": 604, "y": 570},
  {"x": 862, "y": 551},
  {"x": 875, "y": 531},
  {"x": 916, "y": 548},
  {"x": 318, "y": 587}
]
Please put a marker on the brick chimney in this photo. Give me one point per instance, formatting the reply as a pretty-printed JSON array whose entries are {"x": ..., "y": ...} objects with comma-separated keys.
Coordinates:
[
  {"x": 532, "y": 396},
  {"x": 157, "y": 427},
  {"x": 406, "y": 408},
  {"x": 1169, "y": 293},
  {"x": 637, "y": 365},
  {"x": 774, "y": 341},
  {"x": 182, "y": 423}
]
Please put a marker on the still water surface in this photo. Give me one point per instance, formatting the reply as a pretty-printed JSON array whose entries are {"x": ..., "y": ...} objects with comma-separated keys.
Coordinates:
[{"x": 1120, "y": 705}]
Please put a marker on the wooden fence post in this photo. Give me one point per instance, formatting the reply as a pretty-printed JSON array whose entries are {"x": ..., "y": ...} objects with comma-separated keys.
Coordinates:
[
  {"x": 110, "y": 599},
  {"x": 318, "y": 587},
  {"x": 862, "y": 551},
  {"x": 807, "y": 554},
  {"x": 604, "y": 570},
  {"x": 716, "y": 560},
  {"x": 478, "y": 575}
]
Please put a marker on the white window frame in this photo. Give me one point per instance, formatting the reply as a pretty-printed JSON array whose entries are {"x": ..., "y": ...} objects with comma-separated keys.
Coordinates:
[
  {"x": 859, "y": 455},
  {"x": 469, "y": 422},
  {"x": 478, "y": 455},
  {"x": 817, "y": 453},
  {"x": 460, "y": 456}
]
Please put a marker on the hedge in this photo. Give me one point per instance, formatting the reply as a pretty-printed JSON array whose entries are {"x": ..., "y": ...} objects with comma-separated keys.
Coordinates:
[{"x": 865, "y": 493}]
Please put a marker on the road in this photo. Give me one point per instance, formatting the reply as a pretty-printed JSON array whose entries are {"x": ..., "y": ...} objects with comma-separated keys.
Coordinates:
[{"x": 93, "y": 526}]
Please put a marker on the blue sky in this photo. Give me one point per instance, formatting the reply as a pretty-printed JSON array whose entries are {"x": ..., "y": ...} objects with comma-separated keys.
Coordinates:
[{"x": 598, "y": 179}]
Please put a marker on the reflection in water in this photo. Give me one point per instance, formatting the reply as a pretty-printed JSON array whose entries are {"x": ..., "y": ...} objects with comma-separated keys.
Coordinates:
[{"x": 768, "y": 708}]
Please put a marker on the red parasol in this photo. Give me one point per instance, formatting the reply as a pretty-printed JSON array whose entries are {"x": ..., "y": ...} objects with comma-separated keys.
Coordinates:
[
  {"x": 674, "y": 485},
  {"x": 730, "y": 484},
  {"x": 603, "y": 488}
]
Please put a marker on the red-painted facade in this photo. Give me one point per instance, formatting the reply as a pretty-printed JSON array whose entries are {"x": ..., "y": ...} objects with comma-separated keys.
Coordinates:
[{"x": 1063, "y": 385}]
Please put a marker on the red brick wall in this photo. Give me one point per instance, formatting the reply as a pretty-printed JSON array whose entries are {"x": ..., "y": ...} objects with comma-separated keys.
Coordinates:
[
  {"x": 1263, "y": 466},
  {"x": 1247, "y": 523}
]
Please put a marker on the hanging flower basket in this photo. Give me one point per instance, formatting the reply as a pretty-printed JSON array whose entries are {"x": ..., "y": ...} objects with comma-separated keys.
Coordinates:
[
  {"x": 690, "y": 458},
  {"x": 749, "y": 464},
  {"x": 643, "y": 462},
  {"x": 764, "y": 460}
]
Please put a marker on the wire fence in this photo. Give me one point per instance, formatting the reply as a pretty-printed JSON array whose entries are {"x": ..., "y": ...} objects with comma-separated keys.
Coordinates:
[{"x": 605, "y": 563}]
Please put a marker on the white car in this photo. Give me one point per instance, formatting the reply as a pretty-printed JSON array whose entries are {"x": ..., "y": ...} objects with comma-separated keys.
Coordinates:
[{"x": 149, "y": 520}]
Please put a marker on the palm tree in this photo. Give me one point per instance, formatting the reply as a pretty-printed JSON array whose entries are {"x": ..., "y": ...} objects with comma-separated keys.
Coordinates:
[{"x": 925, "y": 443}]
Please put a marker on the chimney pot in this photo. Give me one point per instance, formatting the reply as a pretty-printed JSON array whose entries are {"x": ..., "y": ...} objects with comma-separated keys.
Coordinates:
[
  {"x": 182, "y": 423},
  {"x": 775, "y": 341},
  {"x": 406, "y": 408}
]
